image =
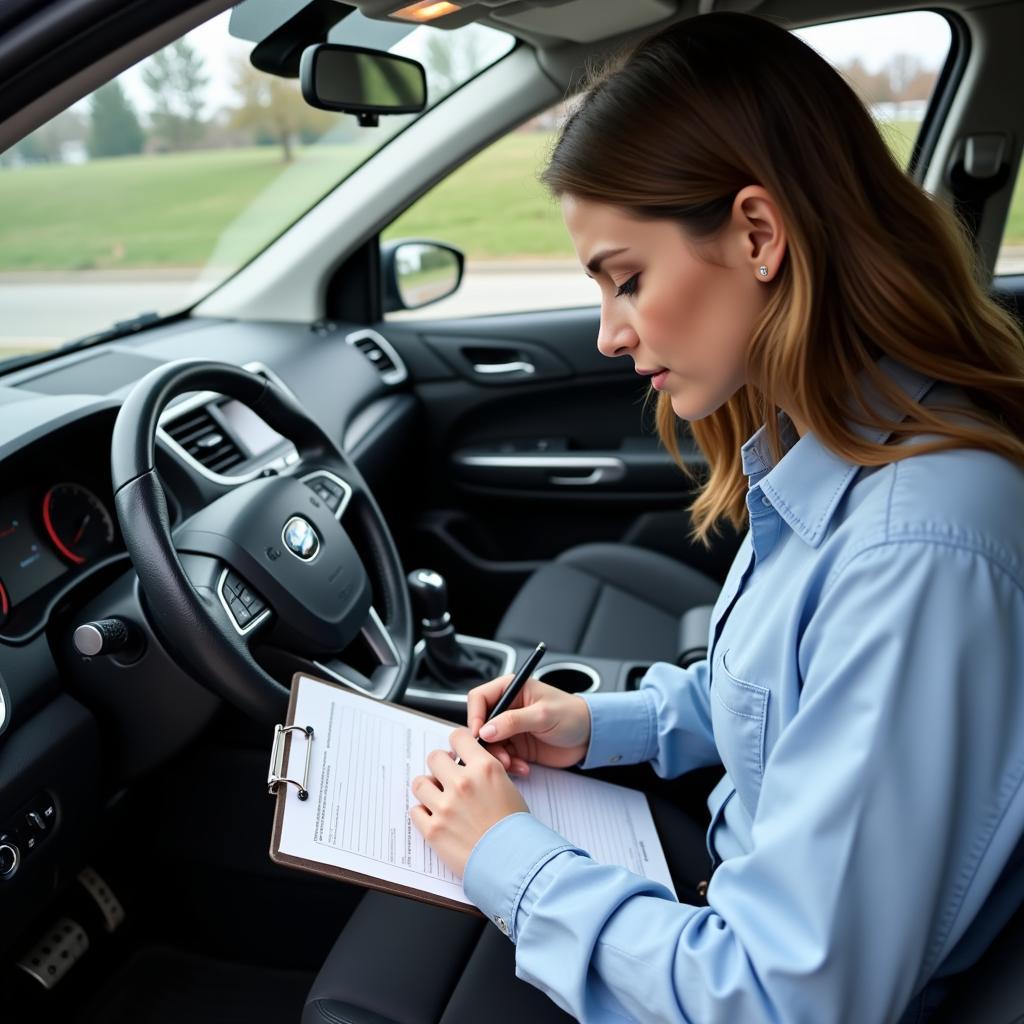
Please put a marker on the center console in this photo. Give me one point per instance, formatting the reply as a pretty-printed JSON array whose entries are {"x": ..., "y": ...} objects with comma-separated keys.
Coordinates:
[{"x": 449, "y": 664}]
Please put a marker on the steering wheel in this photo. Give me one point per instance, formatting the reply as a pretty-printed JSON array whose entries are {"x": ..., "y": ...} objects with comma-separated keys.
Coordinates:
[{"x": 269, "y": 560}]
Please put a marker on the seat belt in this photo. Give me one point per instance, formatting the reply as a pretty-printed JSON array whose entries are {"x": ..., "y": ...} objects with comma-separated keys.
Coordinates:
[{"x": 978, "y": 170}]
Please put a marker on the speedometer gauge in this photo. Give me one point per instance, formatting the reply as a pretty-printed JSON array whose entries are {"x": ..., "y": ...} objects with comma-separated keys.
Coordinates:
[{"x": 77, "y": 522}]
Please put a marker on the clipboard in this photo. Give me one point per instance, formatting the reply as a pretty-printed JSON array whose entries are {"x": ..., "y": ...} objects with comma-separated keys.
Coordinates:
[{"x": 297, "y": 789}]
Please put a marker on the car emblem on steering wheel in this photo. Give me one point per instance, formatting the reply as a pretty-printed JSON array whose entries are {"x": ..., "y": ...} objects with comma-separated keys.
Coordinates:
[{"x": 300, "y": 538}]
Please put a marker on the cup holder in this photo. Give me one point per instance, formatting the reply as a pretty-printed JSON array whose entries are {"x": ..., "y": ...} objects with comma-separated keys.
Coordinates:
[{"x": 570, "y": 676}]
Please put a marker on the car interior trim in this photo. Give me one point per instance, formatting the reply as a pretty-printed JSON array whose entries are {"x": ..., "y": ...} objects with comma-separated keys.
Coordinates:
[
  {"x": 174, "y": 412},
  {"x": 393, "y": 376}
]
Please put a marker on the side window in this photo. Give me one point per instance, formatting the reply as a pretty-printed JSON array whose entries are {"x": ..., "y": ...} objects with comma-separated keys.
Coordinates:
[
  {"x": 1010, "y": 259},
  {"x": 518, "y": 254},
  {"x": 892, "y": 61}
]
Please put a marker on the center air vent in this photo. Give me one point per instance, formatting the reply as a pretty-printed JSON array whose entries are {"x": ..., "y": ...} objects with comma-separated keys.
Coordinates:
[
  {"x": 381, "y": 353},
  {"x": 205, "y": 440}
]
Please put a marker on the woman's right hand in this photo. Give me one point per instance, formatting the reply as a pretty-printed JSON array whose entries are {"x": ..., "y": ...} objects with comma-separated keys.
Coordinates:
[{"x": 545, "y": 725}]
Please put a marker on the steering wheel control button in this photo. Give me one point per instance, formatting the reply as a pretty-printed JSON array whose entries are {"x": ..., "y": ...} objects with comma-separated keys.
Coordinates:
[
  {"x": 330, "y": 489},
  {"x": 242, "y": 603},
  {"x": 300, "y": 538},
  {"x": 242, "y": 614},
  {"x": 10, "y": 859}
]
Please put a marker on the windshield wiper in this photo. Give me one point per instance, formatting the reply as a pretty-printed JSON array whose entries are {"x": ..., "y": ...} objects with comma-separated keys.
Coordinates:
[{"x": 115, "y": 330}]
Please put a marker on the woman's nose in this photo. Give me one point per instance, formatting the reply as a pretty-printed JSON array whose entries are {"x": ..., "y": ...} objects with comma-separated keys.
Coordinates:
[{"x": 615, "y": 338}]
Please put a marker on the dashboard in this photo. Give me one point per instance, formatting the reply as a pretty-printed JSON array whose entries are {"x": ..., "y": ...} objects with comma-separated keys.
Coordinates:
[{"x": 75, "y": 731}]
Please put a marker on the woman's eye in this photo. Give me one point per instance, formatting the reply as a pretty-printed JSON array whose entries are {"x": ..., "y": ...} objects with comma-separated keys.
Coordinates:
[{"x": 628, "y": 287}]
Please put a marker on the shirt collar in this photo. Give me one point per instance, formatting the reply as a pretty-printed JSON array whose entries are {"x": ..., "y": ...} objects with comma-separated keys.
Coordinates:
[{"x": 808, "y": 482}]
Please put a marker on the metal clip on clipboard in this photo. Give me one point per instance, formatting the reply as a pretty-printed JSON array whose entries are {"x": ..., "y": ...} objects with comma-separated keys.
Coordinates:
[{"x": 274, "y": 775}]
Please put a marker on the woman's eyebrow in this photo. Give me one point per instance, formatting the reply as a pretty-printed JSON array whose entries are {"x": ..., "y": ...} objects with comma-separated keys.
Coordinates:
[{"x": 594, "y": 266}]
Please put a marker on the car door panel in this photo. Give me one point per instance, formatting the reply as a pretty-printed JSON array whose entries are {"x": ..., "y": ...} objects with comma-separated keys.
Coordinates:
[{"x": 521, "y": 465}]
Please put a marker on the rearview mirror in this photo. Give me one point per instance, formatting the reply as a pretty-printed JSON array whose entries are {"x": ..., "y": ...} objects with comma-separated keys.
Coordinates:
[{"x": 359, "y": 81}]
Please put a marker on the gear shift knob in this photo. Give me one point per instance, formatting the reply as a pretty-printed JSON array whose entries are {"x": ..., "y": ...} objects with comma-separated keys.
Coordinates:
[{"x": 429, "y": 594}]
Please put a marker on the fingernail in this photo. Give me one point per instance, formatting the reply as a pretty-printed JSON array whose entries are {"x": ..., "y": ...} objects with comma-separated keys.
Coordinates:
[{"x": 488, "y": 731}]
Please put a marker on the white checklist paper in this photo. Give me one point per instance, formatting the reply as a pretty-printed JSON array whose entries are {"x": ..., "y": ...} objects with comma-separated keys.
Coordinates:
[{"x": 363, "y": 759}]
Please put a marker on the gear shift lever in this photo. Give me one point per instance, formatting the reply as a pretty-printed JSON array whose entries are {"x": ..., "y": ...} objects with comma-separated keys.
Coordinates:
[{"x": 446, "y": 659}]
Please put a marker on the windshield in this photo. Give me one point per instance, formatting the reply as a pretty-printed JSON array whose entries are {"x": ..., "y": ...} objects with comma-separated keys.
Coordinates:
[{"x": 150, "y": 192}]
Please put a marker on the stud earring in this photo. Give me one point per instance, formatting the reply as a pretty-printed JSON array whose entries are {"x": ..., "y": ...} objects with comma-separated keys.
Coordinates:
[{"x": 762, "y": 270}]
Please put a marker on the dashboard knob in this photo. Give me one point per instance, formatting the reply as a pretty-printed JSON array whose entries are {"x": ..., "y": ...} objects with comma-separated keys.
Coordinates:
[
  {"x": 104, "y": 636},
  {"x": 10, "y": 858}
]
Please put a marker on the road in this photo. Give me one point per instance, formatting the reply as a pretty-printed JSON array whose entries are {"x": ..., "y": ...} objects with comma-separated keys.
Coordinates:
[{"x": 39, "y": 311}]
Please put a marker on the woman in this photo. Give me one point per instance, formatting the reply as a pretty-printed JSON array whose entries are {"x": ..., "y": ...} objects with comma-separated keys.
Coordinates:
[{"x": 814, "y": 317}]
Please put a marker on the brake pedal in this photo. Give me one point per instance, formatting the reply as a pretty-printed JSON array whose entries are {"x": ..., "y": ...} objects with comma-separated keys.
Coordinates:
[
  {"x": 56, "y": 952},
  {"x": 109, "y": 905}
]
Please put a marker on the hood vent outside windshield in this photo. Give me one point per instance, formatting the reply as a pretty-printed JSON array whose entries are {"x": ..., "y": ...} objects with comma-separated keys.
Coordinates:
[
  {"x": 205, "y": 440},
  {"x": 381, "y": 353}
]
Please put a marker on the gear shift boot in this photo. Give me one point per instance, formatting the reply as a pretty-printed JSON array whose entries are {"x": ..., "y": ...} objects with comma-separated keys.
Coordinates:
[{"x": 445, "y": 660}]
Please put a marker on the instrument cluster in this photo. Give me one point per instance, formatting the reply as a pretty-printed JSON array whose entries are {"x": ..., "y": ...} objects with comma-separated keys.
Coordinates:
[{"x": 47, "y": 532}]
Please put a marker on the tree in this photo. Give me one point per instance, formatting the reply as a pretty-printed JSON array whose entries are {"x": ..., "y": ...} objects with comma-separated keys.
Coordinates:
[
  {"x": 871, "y": 87},
  {"x": 114, "y": 128},
  {"x": 451, "y": 58},
  {"x": 176, "y": 78},
  {"x": 274, "y": 108}
]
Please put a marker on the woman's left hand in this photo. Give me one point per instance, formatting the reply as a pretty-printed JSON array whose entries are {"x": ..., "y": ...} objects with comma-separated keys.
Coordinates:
[{"x": 459, "y": 803}]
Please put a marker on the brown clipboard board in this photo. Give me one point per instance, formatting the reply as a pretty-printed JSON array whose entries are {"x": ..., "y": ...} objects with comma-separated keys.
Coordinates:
[{"x": 284, "y": 792}]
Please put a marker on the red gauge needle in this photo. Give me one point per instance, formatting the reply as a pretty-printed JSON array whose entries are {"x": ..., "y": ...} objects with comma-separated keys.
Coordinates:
[{"x": 81, "y": 529}]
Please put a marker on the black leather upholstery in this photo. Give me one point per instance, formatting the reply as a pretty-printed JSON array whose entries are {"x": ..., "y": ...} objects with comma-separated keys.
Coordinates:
[{"x": 608, "y": 600}]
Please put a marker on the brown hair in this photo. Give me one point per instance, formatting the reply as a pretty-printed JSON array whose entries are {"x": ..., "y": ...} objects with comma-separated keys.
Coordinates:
[{"x": 677, "y": 126}]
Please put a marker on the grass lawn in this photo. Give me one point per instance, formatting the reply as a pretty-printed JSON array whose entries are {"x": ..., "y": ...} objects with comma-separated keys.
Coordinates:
[
  {"x": 173, "y": 210},
  {"x": 163, "y": 210}
]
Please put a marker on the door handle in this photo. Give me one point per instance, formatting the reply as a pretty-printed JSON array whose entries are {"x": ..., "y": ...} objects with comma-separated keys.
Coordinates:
[
  {"x": 598, "y": 475},
  {"x": 517, "y": 366},
  {"x": 592, "y": 469}
]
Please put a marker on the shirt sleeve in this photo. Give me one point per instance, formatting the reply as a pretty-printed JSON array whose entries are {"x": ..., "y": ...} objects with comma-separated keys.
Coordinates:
[
  {"x": 889, "y": 805},
  {"x": 667, "y": 721}
]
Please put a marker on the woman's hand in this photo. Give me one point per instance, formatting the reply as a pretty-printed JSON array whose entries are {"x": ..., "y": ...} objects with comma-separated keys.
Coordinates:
[
  {"x": 460, "y": 803},
  {"x": 545, "y": 725}
]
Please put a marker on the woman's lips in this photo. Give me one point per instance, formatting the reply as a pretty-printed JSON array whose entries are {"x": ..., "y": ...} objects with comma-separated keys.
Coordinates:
[{"x": 658, "y": 380}]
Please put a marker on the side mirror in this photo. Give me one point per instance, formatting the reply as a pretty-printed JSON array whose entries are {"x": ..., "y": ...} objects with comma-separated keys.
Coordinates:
[
  {"x": 355, "y": 80},
  {"x": 416, "y": 273}
]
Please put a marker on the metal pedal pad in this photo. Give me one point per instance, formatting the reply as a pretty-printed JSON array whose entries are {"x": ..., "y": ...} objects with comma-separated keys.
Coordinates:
[
  {"x": 109, "y": 905},
  {"x": 55, "y": 953}
]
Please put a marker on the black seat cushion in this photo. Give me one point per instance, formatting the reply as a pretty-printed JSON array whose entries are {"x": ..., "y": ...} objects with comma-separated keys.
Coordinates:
[
  {"x": 399, "y": 961},
  {"x": 607, "y": 601}
]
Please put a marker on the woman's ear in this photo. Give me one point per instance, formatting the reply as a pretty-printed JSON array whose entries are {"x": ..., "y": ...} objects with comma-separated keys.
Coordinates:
[{"x": 758, "y": 227}]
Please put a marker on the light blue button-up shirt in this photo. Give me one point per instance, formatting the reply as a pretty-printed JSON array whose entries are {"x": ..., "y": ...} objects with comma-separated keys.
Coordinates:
[{"x": 864, "y": 689}]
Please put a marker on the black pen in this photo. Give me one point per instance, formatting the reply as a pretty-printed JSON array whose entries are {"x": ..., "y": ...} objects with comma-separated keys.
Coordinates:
[{"x": 513, "y": 688}]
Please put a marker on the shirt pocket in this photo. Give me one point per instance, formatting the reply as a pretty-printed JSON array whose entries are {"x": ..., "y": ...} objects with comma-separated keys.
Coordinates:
[{"x": 739, "y": 719}]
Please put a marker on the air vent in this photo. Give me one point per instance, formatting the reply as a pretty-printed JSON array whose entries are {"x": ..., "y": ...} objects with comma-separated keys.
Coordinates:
[
  {"x": 381, "y": 353},
  {"x": 205, "y": 440}
]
